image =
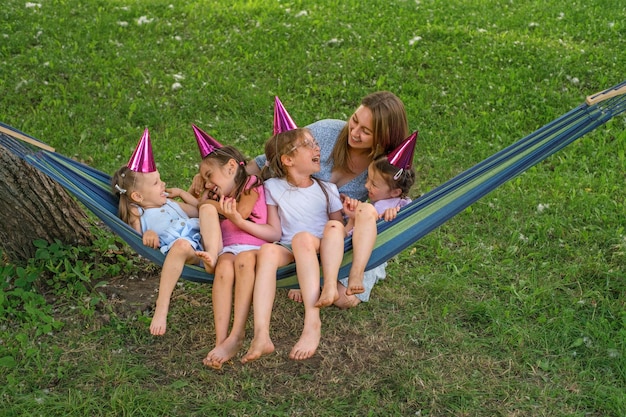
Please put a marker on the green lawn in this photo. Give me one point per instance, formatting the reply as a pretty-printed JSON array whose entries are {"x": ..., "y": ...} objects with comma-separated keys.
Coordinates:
[{"x": 515, "y": 307}]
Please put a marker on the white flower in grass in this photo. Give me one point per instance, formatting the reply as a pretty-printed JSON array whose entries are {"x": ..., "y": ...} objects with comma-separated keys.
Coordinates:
[
  {"x": 122, "y": 23},
  {"x": 176, "y": 86},
  {"x": 611, "y": 25},
  {"x": 415, "y": 39},
  {"x": 178, "y": 77},
  {"x": 533, "y": 25},
  {"x": 30, "y": 5},
  {"x": 523, "y": 238},
  {"x": 542, "y": 207},
  {"x": 561, "y": 16},
  {"x": 480, "y": 30},
  {"x": 144, "y": 19},
  {"x": 302, "y": 13}
]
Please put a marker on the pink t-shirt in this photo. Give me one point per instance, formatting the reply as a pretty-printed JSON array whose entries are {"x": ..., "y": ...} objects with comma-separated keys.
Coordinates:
[{"x": 232, "y": 235}]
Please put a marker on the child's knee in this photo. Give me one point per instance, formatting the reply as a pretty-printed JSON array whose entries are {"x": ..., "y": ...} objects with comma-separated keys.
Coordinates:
[
  {"x": 366, "y": 211},
  {"x": 304, "y": 239}
]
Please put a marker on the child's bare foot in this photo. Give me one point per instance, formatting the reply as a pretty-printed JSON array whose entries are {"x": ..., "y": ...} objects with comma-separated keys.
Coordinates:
[
  {"x": 307, "y": 344},
  {"x": 223, "y": 352},
  {"x": 208, "y": 260},
  {"x": 257, "y": 349},
  {"x": 158, "y": 325},
  {"x": 295, "y": 295},
  {"x": 355, "y": 285},
  {"x": 328, "y": 297}
]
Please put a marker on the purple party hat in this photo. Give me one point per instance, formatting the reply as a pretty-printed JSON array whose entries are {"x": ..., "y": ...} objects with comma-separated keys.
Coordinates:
[
  {"x": 206, "y": 143},
  {"x": 402, "y": 156},
  {"x": 282, "y": 121},
  {"x": 142, "y": 159}
]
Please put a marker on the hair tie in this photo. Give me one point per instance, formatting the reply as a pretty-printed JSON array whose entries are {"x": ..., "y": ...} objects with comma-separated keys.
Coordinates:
[
  {"x": 398, "y": 174},
  {"x": 242, "y": 163},
  {"x": 120, "y": 189}
]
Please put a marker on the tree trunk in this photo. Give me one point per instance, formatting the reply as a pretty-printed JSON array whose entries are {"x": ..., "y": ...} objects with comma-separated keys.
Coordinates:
[{"x": 32, "y": 206}]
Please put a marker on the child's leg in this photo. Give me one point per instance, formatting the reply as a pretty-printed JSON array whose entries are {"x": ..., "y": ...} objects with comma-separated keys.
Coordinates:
[
  {"x": 270, "y": 257},
  {"x": 222, "y": 295},
  {"x": 331, "y": 254},
  {"x": 211, "y": 236},
  {"x": 305, "y": 248},
  {"x": 363, "y": 240},
  {"x": 245, "y": 264},
  {"x": 179, "y": 254}
]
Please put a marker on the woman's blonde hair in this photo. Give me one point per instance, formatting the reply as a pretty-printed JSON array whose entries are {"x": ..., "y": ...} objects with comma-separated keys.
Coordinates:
[{"x": 390, "y": 128}]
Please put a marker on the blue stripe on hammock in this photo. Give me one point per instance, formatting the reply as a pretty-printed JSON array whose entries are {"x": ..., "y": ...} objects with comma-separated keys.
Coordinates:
[{"x": 416, "y": 220}]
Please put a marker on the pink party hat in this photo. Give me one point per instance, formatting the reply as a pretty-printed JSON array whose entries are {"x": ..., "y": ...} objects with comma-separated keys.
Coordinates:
[
  {"x": 142, "y": 159},
  {"x": 402, "y": 156},
  {"x": 282, "y": 121},
  {"x": 206, "y": 143}
]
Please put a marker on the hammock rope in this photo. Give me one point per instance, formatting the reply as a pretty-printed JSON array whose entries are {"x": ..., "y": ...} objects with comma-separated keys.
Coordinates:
[{"x": 414, "y": 221}]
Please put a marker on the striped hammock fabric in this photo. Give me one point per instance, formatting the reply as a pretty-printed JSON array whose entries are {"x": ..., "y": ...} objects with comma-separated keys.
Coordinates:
[{"x": 414, "y": 221}]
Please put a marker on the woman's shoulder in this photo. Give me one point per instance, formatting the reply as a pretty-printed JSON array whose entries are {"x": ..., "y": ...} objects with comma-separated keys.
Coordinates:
[{"x": 326, "y": 129}]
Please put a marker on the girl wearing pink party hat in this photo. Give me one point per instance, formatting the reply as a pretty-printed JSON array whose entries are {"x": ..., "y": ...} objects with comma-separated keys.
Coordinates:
[
  {"x": 389, "y": 180},
  {"x": 235, "y": 194},
  {"x": 181, "y": 230}
]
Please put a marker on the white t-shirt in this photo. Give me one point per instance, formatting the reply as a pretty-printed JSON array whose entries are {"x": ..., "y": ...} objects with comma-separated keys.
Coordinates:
[{"x": 301, "y": 209}]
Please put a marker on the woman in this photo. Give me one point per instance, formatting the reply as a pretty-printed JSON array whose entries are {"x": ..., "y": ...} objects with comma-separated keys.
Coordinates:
[{"x": 376, "y": 127}]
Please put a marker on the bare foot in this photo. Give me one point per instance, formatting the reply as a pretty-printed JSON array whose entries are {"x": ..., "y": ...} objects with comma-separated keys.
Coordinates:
[
  {"x": 295, "y": 295},
  {"x": 307, "y": 344},
  {"x": 158, "y": 325},
  {"x": 355, "y": 285},
  {"x": 257, "y": 349},
  {"x": 208, "y": 260},
  {"x": 328, "y": 297},
  {"x": 223, "y": 352}
]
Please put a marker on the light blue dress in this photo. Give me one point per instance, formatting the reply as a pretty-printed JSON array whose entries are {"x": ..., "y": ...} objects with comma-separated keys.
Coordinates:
[{"x": 171, "y": 223}]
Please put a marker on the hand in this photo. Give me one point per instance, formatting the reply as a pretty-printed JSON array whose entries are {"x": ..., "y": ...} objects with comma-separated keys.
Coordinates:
[
  {"x": 349, "y": 206},
  {"x": 197, "y": 186},
  {"x": 390, "y": 214},
  {"x": 151, "y": 239},
  {"x": 173, "y": 192},
  {"x": 228, "y": 207}
]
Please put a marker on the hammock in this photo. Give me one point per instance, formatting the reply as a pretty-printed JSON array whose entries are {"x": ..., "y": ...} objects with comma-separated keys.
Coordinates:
[{"x": 414, "y": 221}]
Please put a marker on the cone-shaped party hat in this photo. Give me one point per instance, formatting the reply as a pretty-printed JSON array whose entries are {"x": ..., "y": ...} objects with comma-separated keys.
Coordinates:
[
  {"x": 206, "y": 143},
  {"x": 282, "y": 121},
  {"x": 142, "y": 159},
  {"x": 402, "y": 156}
]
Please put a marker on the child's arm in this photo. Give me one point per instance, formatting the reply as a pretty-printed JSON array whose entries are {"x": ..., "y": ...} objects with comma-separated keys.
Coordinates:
[
  {"x": 270, "y": 232},
  {"x": 197, "y": 186},
  {"x": 244, "y": 206},
  {"x": 335, "y": 215},
  {"x": 151, "y": 239},
  {"x": 189, "y": 204}
]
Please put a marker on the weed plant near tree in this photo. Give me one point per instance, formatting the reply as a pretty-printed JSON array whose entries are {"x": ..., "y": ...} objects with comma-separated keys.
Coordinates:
[{"x": 515, "y": 307}]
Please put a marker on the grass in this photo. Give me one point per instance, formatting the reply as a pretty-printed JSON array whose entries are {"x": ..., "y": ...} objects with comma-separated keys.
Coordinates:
[{"x": 514, "y": 307}]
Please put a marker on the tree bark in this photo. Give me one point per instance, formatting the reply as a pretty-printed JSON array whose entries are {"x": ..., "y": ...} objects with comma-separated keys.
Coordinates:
[{"x": 33, "y": 206}]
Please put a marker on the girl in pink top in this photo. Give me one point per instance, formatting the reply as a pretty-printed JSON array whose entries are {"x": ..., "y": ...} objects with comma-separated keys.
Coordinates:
[{"x": 228, "y": 187}]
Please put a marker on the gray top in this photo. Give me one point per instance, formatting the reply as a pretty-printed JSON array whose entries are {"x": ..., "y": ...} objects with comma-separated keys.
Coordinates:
[{"x": 325, "y": 133}]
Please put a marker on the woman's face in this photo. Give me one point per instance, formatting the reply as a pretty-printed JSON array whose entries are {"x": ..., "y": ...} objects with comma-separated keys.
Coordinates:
[{"x": 361, "y": 129}]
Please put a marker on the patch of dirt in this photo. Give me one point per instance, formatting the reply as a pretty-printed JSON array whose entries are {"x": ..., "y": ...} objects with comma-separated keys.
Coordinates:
[{"x": 128, "y": 295}]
